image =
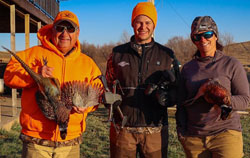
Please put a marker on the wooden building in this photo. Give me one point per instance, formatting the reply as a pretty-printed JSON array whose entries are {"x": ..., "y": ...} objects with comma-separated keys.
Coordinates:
[
  {"x": 24, "y": 16},
  {"x": 39, "y": 11}
]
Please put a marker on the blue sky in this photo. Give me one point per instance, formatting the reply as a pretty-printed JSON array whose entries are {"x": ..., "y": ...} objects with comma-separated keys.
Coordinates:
[{"x": 103, "y": 22}]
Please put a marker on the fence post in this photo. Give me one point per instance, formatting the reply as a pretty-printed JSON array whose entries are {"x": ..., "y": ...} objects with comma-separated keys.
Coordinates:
[{"x": 13, "y": 48}]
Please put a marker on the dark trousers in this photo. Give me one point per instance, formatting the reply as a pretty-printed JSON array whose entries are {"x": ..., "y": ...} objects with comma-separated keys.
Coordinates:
[{"x": 125, "y": 144}]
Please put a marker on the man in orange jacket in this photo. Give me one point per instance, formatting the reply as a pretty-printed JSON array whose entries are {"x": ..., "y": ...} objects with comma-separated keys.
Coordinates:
[{"x": 65, "y": 62}]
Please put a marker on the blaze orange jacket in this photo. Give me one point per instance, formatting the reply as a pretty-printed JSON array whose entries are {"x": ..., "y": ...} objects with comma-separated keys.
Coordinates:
[{"x": 76, "y": 66}]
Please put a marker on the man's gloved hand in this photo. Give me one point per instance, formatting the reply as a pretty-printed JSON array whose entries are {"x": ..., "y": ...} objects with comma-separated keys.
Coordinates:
[
  {"x": 162, "y": 97},
  {"x": 166, "y": 98}
]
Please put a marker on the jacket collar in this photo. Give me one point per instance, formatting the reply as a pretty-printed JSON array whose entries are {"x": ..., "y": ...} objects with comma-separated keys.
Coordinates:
[
  {"x": 218, "y": 54},
  {"x": 138, "y": 47}
]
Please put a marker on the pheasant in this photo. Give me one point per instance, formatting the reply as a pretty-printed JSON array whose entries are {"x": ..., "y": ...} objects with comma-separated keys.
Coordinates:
[
  {"x": 56, "y": 101},
  {"x": 215, "y": 94}
]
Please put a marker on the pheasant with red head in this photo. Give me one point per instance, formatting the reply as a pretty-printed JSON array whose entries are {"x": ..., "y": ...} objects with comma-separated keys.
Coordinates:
[{"x": 215, "y": 94}]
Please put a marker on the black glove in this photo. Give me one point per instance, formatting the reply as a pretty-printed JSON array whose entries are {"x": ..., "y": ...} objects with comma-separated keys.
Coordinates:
[
  {"x": 162, "y": 97},
  {"x": 165, "y": 90},
  {"x": 166, "y": 98},
  {"x": 225, "y": 112}
]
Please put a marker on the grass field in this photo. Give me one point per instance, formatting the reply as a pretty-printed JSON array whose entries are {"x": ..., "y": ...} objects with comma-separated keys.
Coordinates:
[{"x": 96, "y": 140}]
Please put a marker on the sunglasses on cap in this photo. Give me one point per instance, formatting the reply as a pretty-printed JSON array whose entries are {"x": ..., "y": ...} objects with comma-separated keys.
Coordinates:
[
  {"x": 207, "y": 35},
  {"x": 61, "y": 28}
]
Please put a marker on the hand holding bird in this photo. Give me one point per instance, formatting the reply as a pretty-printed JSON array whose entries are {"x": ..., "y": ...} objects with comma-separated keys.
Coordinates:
[
  {"x": 56, "y": 101},
  {"x": 215, "y": 94}
]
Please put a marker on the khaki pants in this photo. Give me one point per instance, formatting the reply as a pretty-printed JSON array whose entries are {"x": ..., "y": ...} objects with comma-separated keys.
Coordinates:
[
  {"x": 228, "y": 144},
  {"x": 125, "y": 144},
  {"x": 31, "y": 150}
]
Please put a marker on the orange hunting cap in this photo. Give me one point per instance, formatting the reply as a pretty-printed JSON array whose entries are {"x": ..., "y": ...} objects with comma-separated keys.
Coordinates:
[
  {"x": 145, "y": 8},
  {"x": 66, "y": 16}
]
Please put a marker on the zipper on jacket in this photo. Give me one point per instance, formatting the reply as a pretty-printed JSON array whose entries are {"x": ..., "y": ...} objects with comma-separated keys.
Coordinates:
[
  {"x": 63, "y": 69},
  {"x": 140, "y": 64},
  {"x": 140, "y": 59},
  {"x": 147, "y": 64}
]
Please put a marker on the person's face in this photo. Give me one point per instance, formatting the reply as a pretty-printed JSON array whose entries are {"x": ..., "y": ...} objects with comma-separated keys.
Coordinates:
[
  {"x": 143, "y": 29},
  {"x": 64, "y": 36},
  {"x": 206, "y": 45}
]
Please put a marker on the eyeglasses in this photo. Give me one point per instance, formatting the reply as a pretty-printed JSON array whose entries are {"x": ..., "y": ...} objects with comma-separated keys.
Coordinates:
[
  {"x": 207, "y": 35},
  {"x": 61, "y": 28}
]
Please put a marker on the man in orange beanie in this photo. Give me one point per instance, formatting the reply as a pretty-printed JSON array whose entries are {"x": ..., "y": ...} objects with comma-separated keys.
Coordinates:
[
  {"x": 59, "y": 57},
  {"x": 148, "y": 86}
]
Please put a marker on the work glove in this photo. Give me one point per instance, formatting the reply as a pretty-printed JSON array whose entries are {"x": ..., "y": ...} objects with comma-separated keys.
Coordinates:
[{"x": 166, "y": 98}]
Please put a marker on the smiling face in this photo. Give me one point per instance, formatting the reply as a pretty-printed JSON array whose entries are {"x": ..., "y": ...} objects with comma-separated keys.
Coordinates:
[
  {"x": 206, "y": 46},
  {"x": 143, "y": 29},
  {"x": 64, "y": 41}
]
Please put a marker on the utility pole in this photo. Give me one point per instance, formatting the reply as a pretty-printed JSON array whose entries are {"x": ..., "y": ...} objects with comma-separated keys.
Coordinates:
[{"x": 152, "y": 1}]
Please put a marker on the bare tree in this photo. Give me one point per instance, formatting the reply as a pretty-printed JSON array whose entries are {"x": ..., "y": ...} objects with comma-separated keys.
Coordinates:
[
  {"x": 98, "y": 53},
  {"x": 226, "y": 38},
  {"x": 88, "y": 49},
  {"x": 125, "y": 37},
  {"x": 183, "y": 48}
]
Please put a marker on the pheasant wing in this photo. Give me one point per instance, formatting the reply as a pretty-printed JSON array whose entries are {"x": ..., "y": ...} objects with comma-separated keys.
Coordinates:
[
  {"x": 80, "y": 94},
  {"x": 45, "y": 106}
]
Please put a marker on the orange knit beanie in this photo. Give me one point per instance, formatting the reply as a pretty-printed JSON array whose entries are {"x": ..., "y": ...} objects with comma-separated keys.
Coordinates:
[{"x": 145, "y": 8}]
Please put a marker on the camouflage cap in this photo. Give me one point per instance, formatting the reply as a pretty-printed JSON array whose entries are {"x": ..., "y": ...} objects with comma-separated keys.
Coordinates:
[{"x": 203, "y": 23}]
